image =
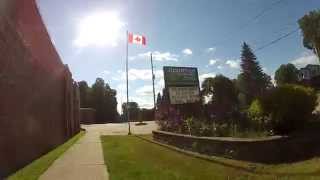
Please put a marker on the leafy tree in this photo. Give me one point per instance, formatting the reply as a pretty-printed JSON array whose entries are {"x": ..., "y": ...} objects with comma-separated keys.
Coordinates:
[
  {"x": 133, "y": 109},
  {"x": 252, "y": 81},
  {"x": 104, "y": 101},
  {"x": 289, "y": 107},
  {"x": 286, "y": 74},
  {"x": 110, "y": 104},
  {"x": 223, "y": 95},
  {"x": 310, "y": 26},
  {"x": 84, "y": 94}
]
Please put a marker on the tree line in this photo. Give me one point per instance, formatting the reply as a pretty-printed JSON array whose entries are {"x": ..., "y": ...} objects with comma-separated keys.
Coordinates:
[{"x": 101, "y": 97}]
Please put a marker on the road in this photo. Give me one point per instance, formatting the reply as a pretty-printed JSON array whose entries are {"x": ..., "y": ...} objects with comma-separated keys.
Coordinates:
[{"x": 84, "y": 160}]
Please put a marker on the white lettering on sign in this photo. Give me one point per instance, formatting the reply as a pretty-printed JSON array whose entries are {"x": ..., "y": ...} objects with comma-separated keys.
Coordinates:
[{"x": 183, "y": 95}]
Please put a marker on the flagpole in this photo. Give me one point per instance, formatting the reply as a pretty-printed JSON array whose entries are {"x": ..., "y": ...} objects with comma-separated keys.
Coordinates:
[
  {"x": 127, "y": 75},
  {"x": 153, "y": 77}
]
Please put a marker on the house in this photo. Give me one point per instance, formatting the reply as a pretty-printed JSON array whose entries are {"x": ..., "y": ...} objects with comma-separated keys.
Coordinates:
[
  {"x": 309, "y": 72},
  {"x": 310, "y": 76}
]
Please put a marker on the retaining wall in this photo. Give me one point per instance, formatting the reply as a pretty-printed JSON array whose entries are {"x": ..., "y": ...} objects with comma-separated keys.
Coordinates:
[{"x": 274, "y": 149}]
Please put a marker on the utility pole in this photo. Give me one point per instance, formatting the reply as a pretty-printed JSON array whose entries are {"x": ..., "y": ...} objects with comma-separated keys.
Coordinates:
[
  {"x": 153, "y": 77},
  {"x": 127, "y": 75}
]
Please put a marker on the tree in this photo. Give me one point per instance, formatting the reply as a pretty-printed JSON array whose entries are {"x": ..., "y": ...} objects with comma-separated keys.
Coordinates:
[
  {"x": 110, "y": 104},
  {"x": 223, "y": 96},
  {"x": 252, "y": 81},
  {"x": 133, "y": 109},
  {"x": 289, "y": 107},
  {"x": 310, "y": 26},
  {"x": 286, "y": 74},
  {"x": 104, "y": 101},
  {"x": 84, "y": 94}
]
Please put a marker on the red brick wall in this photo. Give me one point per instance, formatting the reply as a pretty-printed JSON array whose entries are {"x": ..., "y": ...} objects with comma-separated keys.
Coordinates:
[{"x": 39, "y": 103}]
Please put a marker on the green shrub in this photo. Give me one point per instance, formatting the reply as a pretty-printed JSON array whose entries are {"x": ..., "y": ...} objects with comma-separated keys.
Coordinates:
[
  {"x": 289, "y": 107},
  {"x": 255, "y": 110},
  {"x": 257, "y": 116}
]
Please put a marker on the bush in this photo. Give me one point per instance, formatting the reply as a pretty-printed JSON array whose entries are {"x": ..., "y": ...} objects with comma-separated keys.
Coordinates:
[
  {"x": 255, "y": 110},
  {"x": 257, "y": 116},
  {"x": 289, "y": 107}
]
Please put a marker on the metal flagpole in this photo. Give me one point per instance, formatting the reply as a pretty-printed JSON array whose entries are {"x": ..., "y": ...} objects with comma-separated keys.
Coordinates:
[
  {"x": 127, "y": 74},
  {"x": 153, "y": 77}
]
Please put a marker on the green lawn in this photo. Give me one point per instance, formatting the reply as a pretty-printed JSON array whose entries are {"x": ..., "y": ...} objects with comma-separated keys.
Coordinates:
[
  {"x": 34, "y": 170},
  {"x": 128, "y": 157}
]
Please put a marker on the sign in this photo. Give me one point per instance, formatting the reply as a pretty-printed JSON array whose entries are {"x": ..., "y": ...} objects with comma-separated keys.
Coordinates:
[
  {"x": 180, "y": 76},
  {"x": 182, "y": 84},
  {"x": 184, "y": 95}
]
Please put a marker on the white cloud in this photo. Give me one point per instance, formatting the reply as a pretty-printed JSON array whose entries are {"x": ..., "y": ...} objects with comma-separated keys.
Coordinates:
[
  {"x": 157, "y": 56},
  {"x": 187, "y": 51},
  {"x": 202, "y": 77},
  {"x": 211, "y": 49},
  {"x": 144, "y": 102},
  {"x": 138, "y": 74},
  {"x": 146, "y": 90},
  {"x": 106, "y": 72},
  {"x": 235, "y": 64},
  {"x": 213, "y": 61},
  {"x": 219, "y": 67},
  {"x": 305, "y": 59}
]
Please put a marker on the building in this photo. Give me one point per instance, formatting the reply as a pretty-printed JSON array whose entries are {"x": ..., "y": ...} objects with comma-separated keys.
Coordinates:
[
  {"x": 309, "y": 72},
  {"x": 39, "y": 106},
  {"x": 310, "y": 76}
]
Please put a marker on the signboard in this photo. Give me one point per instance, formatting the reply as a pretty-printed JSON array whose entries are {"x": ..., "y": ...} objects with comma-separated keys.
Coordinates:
[
  {"x": 184, "y": 95},
  {"x": 180, "y": 76},
  {"x": 182, "y": 84}
]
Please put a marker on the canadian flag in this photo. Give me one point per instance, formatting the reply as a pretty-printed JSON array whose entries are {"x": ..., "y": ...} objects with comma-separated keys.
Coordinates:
[{"x": 136, "y": 39}]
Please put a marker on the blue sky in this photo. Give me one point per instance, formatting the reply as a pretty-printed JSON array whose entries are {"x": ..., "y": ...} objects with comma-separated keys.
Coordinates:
[{"x": 90, "y": 37}]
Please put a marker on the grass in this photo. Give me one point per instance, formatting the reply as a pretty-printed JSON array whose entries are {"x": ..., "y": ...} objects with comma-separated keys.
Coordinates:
[
  {"x": 128, "y": 157},
  {"x": 34, "y": 170}
]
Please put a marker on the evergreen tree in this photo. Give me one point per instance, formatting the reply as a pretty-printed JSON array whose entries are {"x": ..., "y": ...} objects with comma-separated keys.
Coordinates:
[{"x": 252, "y": 81}]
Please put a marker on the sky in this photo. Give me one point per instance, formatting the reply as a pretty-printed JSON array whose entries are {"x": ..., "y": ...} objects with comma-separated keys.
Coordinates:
[{"x": 90, "y": 36}]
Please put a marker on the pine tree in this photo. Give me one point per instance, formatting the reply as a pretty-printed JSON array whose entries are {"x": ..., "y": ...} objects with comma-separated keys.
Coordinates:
[{"x": 252, "y": 81}]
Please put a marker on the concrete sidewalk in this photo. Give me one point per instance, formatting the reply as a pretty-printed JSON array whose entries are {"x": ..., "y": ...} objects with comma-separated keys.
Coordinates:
[{"x": 83, "y": 161}]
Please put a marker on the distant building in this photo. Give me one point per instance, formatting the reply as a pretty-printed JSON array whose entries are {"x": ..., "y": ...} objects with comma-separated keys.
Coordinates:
[
  {"x": 310, "y": 76},
  {"x": 309, "y": 72}
]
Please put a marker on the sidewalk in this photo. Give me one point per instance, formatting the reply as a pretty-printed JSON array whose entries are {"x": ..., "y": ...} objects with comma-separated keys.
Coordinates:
[{"x": 83, "y": 161}]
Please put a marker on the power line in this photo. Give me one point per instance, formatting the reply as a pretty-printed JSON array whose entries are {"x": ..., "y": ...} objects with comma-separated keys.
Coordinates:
[
  {"x": 252, "y": 20},
  {"x": 276, "y": 40},
  {"x": 266, "y": 10}
]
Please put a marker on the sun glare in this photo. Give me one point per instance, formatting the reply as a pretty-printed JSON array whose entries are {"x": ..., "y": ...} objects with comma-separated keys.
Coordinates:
[{"x": 99, "y": 29}]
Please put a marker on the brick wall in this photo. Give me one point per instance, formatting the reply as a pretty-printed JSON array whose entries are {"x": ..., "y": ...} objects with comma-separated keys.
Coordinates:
[{"x": 39, "y": 101}]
